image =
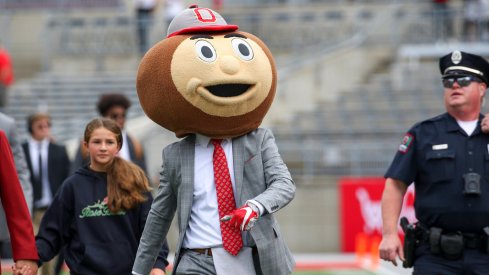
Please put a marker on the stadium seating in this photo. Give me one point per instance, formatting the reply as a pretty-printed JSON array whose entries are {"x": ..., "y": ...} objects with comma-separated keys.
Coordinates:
[{"x": 69, "y": 98}]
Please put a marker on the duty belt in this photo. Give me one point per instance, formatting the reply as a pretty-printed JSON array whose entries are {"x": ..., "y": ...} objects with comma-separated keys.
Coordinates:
[{"x": 450, "y": 245}]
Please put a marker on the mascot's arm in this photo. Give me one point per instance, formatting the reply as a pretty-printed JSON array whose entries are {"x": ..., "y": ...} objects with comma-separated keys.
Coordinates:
[{"x": 280, "y": 188}]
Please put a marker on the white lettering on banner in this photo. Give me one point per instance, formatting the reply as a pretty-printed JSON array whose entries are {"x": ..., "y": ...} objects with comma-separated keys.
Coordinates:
[{"x": 372, "y": 213}]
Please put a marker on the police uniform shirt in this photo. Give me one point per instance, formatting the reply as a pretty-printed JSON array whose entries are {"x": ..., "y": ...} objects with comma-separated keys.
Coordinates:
[{"x": 435, "y": 154}]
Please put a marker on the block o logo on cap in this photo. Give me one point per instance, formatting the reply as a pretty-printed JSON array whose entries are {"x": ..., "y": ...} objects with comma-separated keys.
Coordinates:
[
  {"x": 198, "y": 20},
  {"x": 205, "y": 15}
]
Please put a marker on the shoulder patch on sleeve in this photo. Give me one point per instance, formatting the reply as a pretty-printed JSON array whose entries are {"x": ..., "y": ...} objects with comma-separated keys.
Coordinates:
[{"x": 407, "y": 140}]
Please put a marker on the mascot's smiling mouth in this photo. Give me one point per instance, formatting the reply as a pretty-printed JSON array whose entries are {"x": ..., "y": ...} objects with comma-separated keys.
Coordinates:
[
  {"x": 228, "y": 90},
  {"x": 221, "y": 94}
]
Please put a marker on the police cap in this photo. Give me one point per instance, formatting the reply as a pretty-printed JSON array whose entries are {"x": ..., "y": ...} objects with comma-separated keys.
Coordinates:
[{"x": 459, "y": 63}]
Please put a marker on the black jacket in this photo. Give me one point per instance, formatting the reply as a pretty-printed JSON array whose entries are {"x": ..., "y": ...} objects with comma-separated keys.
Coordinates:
[
  {"x": 58, "y": 168},
  {"x": 96, "y": 240}
]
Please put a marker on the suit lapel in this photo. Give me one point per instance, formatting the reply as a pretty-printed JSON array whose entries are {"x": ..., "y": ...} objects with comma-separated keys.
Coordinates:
[
  {"x": 238, "y": 161},
  {"x": 187, "y": 184}
]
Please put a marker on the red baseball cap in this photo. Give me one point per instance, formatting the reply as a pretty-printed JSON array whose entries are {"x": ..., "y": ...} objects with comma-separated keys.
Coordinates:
[{"x": 196, "y": 20}]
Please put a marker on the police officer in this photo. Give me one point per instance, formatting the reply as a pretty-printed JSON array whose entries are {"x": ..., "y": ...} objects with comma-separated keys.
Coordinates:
[{"x": 447, "y": 158}]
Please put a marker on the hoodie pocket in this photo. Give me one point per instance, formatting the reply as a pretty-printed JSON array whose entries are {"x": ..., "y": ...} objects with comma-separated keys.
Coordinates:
[{"x": 109, "y": 258}]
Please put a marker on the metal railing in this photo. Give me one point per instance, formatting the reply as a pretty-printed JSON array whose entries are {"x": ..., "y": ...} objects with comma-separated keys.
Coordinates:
[{"x": 287, "y": 29}]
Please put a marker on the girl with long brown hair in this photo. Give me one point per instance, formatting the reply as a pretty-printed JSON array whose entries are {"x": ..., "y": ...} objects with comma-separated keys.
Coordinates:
[{"x": 100, "y": 211}]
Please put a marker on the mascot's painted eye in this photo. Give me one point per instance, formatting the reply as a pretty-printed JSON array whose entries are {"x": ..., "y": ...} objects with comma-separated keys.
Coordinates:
[
  {"x": 242, "y": 48},
  {"x": 205, "y": 51}
]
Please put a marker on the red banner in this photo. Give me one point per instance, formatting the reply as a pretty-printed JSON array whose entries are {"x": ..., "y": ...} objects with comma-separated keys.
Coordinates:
[{"x": 360, "y": 209}]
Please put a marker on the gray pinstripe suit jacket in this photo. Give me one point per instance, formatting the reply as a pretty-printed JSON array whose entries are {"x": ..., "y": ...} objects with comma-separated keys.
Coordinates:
[{"x": 260, "y": 174}]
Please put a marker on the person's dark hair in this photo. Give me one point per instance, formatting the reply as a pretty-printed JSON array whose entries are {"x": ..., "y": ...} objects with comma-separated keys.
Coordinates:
[
  {"x": 127, "y": 185},
  {"x": 108, "y": 101}
]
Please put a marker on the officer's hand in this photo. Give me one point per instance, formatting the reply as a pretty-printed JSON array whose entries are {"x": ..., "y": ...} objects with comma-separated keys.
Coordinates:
[
  {"x": 391, "y": 248},
  {"x": 485, "y": 124}
]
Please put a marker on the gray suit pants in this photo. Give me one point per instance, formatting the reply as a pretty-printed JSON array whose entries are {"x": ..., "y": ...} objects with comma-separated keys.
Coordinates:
[{"x": 194, "y": 263}]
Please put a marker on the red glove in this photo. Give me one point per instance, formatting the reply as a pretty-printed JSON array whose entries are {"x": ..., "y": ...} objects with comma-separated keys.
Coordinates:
[{"x": 243, "y": 218}]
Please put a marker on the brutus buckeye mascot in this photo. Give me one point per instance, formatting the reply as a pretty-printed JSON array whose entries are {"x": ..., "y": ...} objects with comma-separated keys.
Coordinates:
[{"x": 212, "y": 85}]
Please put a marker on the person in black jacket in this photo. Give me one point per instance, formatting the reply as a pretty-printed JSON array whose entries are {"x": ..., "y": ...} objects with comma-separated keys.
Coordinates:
[
  {"x": 100, "y": 211},
  {"x": 49, "y": 166},
  {"x": 48, "y": 162}
]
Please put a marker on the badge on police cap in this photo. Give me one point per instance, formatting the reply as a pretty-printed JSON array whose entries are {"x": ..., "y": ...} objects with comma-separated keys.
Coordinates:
[
  {"x": 459, "y": 63},
  {"x": 407, "y": 140},
  {"x": 456, "y": 57}
]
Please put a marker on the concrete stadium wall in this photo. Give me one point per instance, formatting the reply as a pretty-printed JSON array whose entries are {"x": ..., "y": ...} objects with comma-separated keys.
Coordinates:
[{"x": 310, "y": 223}]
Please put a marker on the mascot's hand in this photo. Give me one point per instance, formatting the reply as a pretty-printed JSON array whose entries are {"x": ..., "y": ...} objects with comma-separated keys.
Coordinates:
[{"x": 243, "y": 218}]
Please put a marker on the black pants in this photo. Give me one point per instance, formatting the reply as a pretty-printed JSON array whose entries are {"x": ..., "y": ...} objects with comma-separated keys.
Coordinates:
[
  {"x": 6, "y": 249},
  {"x": 473, "y": 262}
]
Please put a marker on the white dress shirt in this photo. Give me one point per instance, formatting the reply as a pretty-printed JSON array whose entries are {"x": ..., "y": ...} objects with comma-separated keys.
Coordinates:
[
  {"x": 468, "y": 126},
  {"x": 124, "y": 152}
]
